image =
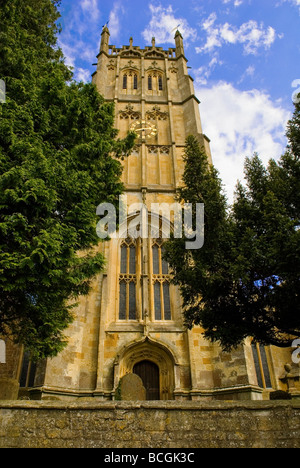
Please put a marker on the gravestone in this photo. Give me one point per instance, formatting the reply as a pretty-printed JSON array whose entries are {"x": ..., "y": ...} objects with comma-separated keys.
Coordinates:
[
  {"x": 9, "y": 389},
  {"x": 131, "y": 388}
]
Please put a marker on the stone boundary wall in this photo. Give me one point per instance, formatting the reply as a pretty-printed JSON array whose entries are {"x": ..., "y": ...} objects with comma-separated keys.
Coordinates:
[{"x": 87, "y": 424}]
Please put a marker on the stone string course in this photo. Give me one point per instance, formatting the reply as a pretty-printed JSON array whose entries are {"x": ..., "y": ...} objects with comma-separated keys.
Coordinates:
[{"x": 30, "y": 424}]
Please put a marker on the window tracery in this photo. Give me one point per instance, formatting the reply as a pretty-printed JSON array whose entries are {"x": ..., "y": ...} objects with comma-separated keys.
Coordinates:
[
  {"x": 156, "y": 114},
  {"x": 157, "y": 276},
  {"x": 129, "y": 113},
  {"x": 130, "y": 80},
  {"x": 155, "y": 81}
]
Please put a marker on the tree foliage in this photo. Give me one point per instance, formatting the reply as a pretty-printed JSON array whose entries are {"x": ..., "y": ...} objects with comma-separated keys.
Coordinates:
[
  {"x": 245, "y": 281},
  {"x": 58, "y": 162}
]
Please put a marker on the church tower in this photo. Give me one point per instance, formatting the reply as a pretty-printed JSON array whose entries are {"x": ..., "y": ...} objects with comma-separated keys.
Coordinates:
[{"x": 132, "y": 322}]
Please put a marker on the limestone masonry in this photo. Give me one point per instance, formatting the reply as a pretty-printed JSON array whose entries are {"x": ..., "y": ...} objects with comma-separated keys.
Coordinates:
[
  {"x": 131, "y": 322},
  {"x": 150, "y": 425}
]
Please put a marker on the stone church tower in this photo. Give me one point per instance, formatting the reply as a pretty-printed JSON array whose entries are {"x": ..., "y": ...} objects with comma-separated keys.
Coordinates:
[{"x": 131, "y": 322}]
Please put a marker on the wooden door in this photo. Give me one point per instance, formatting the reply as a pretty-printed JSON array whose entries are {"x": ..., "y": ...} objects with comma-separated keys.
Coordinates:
[{"x": 149, "y": 373}]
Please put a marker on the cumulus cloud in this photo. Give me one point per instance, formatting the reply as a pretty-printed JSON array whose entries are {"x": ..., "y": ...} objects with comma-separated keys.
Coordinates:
[
  {"x": 90, "y": 7},
  {"x": 163, "y": 24},
  {"x": 251, "y": 35},
  {"x": 74, "y": 48},
  {"x": 82, "y": 75},
  {"x": 82, "y": 21},
  {"x": 114, "y": 20},
  {"x": 240, "y": 123}
]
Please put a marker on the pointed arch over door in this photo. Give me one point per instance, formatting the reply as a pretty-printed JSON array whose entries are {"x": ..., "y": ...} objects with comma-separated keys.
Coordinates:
[{"x": 151, "y": 351}]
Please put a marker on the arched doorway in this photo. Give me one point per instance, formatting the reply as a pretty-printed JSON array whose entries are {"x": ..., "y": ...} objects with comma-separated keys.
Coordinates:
[
  {"x": 158, "y": 355},
  {"x": 149, "y": 373}
]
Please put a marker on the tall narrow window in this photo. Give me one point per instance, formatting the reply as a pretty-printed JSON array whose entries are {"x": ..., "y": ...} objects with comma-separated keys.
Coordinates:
[
  {"x": 161, "y": 283},
  {"x": 261, "y": 365},
  {"x": 127, "y": 281},
  {"x": 28, "y": 371},
  {"x": 150, "y": 87},
  {"x": 160, "y": 83},
  {"x": 135, "y": 82},
  {"x": 125, "y": 82}
]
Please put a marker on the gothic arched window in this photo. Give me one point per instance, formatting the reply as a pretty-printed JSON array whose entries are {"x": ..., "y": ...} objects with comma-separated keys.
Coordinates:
[
  {"x": 144, "y": 278},
  {"x": 130, "y": 80},
  {"x": 127, "y": 281},
  {"x": 155, "y": 81}
]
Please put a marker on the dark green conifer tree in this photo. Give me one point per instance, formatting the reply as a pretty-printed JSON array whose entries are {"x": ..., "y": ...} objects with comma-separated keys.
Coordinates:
[
  {"x": 58, "y": 162},
  {"x": 245, "y": 282}
]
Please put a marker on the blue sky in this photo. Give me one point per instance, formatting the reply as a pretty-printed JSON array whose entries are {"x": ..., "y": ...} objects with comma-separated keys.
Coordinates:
[{"x": 244, "y": 57}]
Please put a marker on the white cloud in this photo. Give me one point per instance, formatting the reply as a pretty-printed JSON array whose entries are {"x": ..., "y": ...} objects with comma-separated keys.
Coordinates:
[
  {"x": 248, "y": 73},
  {"x": 163, "y": 24},
  {"x": 71, "y": 52},
  {"x": 236, "y": 3},
  {"x": 82, "y": 22},
  {"x": 114, "y": 20},
  {"x": 74, "y": 48},
  {"x": 90, "y": 7},
  {"x": 293, "y": 2},
  {"x": 82, "y": 75},
  {"x": 240, "y": 123},
  {"x": 203, "y": 73},
  {"x": 251, "y": 35}
]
